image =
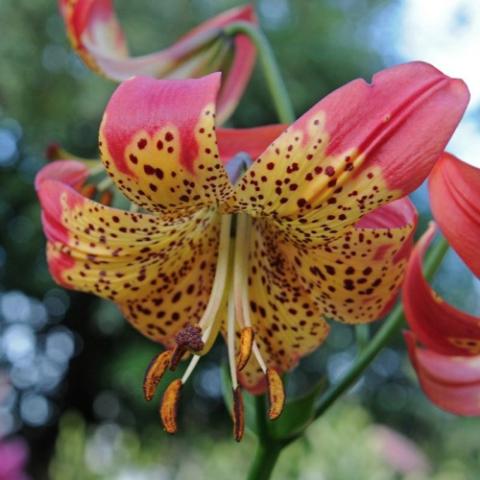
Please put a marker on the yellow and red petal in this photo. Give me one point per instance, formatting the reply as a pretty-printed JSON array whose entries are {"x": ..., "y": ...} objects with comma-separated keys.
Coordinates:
[
  {"x": 451, "y": 382},
  {"x": 455, "y": 200},
  {"x": 436, "y": 324},
  {"x": 360, "y": 147},
  {"x": 159, "y": 273},
  {"x": 356, "y": 278},
  {"x": 97, "y": 36},
  {"x": 287, "y": 322},
  {"x": 158, "y": 142}
]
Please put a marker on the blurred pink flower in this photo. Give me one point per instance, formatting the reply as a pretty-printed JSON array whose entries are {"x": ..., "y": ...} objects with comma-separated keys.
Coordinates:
[
  {"x": 400, "y": 453},
  {"x": 13, "y": 457}
]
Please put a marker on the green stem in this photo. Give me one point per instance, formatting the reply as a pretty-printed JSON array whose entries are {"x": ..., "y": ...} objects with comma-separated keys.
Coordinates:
[
  {"x": 274, "y": 79},
  {"x": 264, "y": 462},
  {"x": 268, "y": 449},
  {"x": 388, "y": 330}
]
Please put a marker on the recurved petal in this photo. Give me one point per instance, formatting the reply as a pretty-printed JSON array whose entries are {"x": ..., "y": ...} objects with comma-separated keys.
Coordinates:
[
  {"x": 455, "y": 200},
  {"x": 436, "y": 324},
  {"x": 451, "y": 382},
  {"x": 159, "y": 273},
  {"x": 72, "y": 172},
  {"x": 97, "y": 36},
  {"x": 356, "y": 278},
  {"x": 158, "y": 142},
  {"x": 360, "y": 147},
  {"x": 94, "y": 32}
]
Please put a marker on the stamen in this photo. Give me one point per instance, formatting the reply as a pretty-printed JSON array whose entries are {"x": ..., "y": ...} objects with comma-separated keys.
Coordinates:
[
  {"x": 106, "y": 198},
  {"x": 245, "y": 347},
  {"x": 189, "y": 339},
  {"x": 169, "y": 406},
  {"x": 240, "y": 283},
  {"x": 105, "y": 184},
  {"x": 88, "y": 190},
  {"x": 276, "y": 394},
  {"x": 155, "y": 372},
  {"x": 231, "y": 340},
  {"x": 238, "y": 414},
  {"x": 220, "y": 280},
  {"x": 194, "y": 361}
]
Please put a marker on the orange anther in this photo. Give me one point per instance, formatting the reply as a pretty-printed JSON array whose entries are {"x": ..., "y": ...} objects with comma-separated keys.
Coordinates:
[
  {"x": 169, "y": 406},
  {"x": 154, "y": 373},
  {"x": 106, "y": 198},
  {"x": 276, "y": 394},
  {"x": 238, "y": 415},
  {"x": 245, "y": 347},
  {"x": 88, "y": 190}
]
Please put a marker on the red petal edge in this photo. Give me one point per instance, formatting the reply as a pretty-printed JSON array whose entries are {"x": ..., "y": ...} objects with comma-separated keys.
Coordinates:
[{"x": 455, "y": 199}]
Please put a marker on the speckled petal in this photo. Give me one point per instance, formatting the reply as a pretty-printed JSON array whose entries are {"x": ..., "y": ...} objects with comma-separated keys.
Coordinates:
[
  {"x": 287, "y": 322},
  {"x": 436, "y": 324},
  {"x": 97, "y": 36},
  {"x": 158, "y": 142},
  {"x": 455, "y": 199},
  {"x": 451, "y": 382},
  {"x": 355, "y": 279},
  {"x": 159, "y": 273},
  {"x": 361, "y": 147}
]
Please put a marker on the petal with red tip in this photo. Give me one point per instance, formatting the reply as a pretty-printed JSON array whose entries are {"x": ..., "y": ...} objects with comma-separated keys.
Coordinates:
[
  {"x": 158, "y": 142},
  {"x": 455, "y": 199},
  {"x": 72, "y": 172},
  {"x": 362, "y": 146},
  {"x": 451, "y": 382},
  {"x": 159, "y": 273},
  {"x": 436, "y": 324},
  {"x": 97, "y": 36}
]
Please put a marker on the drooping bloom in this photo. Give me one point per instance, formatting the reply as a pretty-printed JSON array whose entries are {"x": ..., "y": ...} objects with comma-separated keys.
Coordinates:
[
  {"x": 444, "y": 343},
  {"x": 97, "y": 36},
  {"x": 318, "y": 226}
]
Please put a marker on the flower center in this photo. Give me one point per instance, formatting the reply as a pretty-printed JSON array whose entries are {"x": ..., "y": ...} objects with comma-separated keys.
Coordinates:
[{"x": 230, "y": 288}]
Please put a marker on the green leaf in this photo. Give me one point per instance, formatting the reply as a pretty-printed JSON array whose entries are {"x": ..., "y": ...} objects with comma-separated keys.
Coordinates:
[{"x": 297, "y": 414}]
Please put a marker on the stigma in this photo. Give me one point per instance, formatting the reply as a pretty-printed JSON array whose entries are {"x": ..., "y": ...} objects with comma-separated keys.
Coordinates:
[{"x": 228, "y": 309}]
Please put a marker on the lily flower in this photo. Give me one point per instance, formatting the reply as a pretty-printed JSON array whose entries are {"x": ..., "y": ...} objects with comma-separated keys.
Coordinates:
[
  {"x": 444, "y": 343},
  {"x": 97, "y": 36},
  {"x": 259, "y": 234}
]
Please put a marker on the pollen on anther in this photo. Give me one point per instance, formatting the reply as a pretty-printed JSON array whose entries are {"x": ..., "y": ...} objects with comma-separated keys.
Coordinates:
[
  {"x": 155, "y": 372},
  {"x": 276, "y": 394},
  {"x": 169, "y": 406},
  {"x": 238, "y": 414}
]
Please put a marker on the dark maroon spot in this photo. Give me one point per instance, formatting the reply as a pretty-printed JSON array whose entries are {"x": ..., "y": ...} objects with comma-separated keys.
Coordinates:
[{"x": 330, "y": 171}]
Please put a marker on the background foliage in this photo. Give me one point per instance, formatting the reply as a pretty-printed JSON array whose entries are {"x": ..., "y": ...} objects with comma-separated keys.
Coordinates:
[{"x": 71, "y": 368}]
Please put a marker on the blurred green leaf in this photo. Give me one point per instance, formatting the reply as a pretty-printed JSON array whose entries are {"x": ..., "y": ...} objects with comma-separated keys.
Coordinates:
[{"x": 297, "y": 414}]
